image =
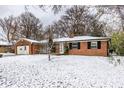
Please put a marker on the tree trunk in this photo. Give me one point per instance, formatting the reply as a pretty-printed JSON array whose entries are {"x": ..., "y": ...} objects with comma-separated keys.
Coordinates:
[{"x": 49, "y": 55}]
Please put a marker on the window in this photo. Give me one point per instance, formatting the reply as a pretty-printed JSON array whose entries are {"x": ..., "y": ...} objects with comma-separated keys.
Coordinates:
[
  {"x": 74, "y": 45},
  {"x": 93, "y": 44}
]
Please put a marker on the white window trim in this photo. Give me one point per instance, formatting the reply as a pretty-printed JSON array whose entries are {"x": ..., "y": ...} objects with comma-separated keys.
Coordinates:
[
  {"x": 75, "y": 45},
  {"x": 94, "y": 44}
]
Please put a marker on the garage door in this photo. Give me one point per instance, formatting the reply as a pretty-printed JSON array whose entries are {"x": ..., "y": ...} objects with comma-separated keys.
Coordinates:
[{"x": 23, "y": 50}]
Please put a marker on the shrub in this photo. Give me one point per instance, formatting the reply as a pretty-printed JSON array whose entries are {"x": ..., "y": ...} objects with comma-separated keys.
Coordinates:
[{"x": 117, "y": 42}]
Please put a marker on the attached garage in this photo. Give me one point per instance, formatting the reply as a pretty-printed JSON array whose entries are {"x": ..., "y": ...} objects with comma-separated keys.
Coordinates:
[{"x": 26, "y": 46}]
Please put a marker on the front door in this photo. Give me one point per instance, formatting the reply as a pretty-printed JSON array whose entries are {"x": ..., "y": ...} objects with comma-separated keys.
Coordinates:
[{"x": 61, "y": 48}]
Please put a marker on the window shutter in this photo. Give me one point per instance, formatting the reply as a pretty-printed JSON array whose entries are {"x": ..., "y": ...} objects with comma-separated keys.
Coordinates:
[
  {"x": 70, "y": 45},
  {"x": 88, "y": 45},
  {"x": 99, "y": 44},
  {"x": 78, "y": 45}
]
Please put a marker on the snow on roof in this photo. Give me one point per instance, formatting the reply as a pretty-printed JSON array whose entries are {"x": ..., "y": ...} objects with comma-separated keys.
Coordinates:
[
  {"x": 30, "y": 40},
  {"x": 77, "y": 38},
  {"x": 80, "y": 38},
  {"x": 65, "y": 39},
  {"x": 3, "y": 43},
  {"x": 44, "y": 41}
]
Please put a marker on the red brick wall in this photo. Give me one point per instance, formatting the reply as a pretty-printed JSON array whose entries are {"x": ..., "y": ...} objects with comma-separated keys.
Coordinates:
[
  {"x": 90, "y": 52},
  {"x": 35, "y": 49}
]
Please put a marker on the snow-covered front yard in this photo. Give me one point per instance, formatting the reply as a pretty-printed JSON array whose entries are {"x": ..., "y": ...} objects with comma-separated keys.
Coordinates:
[{"x": 63, "y": 71}]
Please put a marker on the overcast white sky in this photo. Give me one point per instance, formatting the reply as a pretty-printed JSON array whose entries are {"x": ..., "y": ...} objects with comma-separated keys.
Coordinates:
[{"x": 47, "y": 17}]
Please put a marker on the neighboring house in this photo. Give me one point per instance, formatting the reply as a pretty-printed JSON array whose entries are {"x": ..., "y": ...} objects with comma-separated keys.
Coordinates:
[
  {"x": 79, "y": 45},
  {"x": 5, "y": 47}
]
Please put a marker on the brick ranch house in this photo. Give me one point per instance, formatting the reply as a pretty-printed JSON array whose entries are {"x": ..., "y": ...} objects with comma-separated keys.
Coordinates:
[{"x": 79, "y": 45}]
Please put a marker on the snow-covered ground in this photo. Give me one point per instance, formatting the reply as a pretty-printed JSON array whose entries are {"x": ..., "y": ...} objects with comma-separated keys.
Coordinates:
[
  {"x": 63, "y": 71},
  {"x": 7, "y": 54}
]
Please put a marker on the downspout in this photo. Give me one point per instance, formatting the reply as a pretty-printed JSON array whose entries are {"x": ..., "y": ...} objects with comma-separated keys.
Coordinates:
[{"x": 108, "y": 46}]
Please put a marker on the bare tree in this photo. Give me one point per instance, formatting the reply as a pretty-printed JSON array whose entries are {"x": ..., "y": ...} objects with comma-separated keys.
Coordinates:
[
  {"x": 55, "y": 8},
  {"x": 50, "y": 42},
  {"x": 9, "y": 26},
  {"x": 79, "y": 21},
  {"x": 120, "y": 10},
  {"x": 101, "y": 10},
  {"x": 61, "y": 29},
  {"x": 117, "y": 11},
  {"x": 30, "y": 26},
  {"x": 97, "y": 28}
]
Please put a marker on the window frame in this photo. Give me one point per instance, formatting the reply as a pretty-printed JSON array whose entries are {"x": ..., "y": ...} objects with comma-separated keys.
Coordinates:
[
  {"x": 94, "y": 45},
  {"x": 75, "y": 45}
]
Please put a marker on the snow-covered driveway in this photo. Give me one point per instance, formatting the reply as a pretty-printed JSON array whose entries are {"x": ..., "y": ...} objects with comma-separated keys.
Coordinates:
[{"x": 63, "y": 71}]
